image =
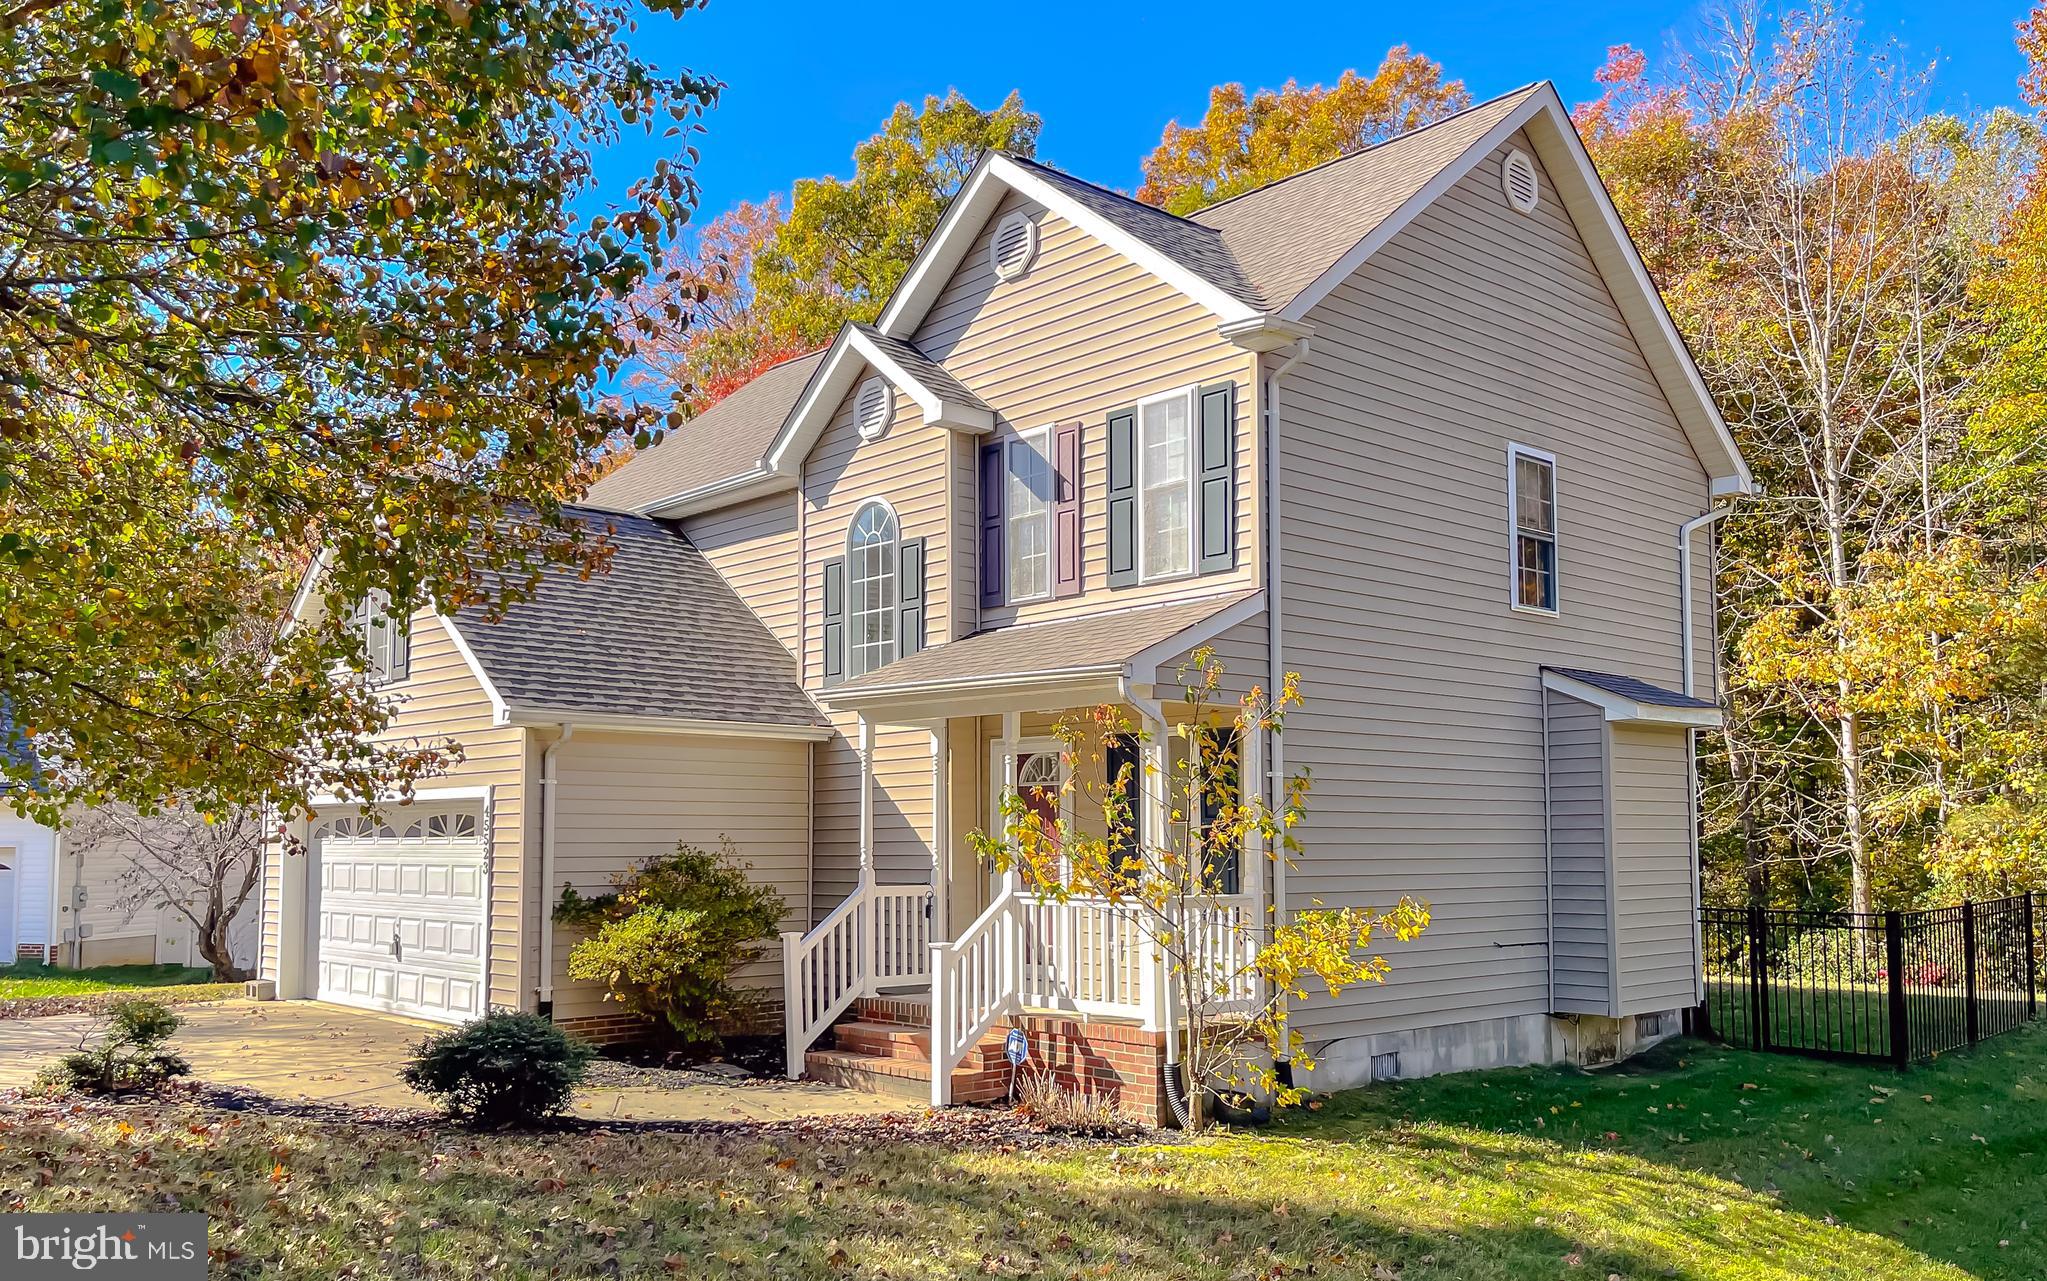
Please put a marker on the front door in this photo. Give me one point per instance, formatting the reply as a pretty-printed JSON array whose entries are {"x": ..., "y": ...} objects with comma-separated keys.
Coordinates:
[{"x": 1040, "y": 779}]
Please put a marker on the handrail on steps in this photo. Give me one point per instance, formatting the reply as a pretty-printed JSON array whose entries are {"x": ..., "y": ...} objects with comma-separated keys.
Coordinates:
[{"x": 879, "y": 934}]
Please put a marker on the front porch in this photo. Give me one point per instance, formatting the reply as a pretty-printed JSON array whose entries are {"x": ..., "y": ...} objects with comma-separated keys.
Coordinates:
[{"x": 918, "y": 984}]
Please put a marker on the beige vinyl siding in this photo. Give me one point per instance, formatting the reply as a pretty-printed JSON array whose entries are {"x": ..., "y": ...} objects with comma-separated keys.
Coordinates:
[
  {"x": 442, "y": 702},
  {"x": 1579, "y": 866},
  {"x": 1652, "y": 863},
  {"x": 1474, "y": 327},
  {"x": 1705, "y": 614},
  {"x": 625, "y": 798},
  {"x": 1081, "y": 334},
  {"x": 910, "y": 468},
  {"x": 753, "y": 546}
]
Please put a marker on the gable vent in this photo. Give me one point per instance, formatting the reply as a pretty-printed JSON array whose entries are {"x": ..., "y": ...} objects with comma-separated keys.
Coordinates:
[
  {"x": 1518, "y": 180},
  {"x": 874, "y": 408},
  {"x": 1014, "y": 246}
]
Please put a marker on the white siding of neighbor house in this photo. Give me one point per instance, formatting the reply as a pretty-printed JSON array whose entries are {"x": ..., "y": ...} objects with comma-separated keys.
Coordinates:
[
  {"x": 1579, "y": 866},
  {"x": 33, "y": 847},
  {"x": 1652, "y": 862},
  {"x": 753, "y": 547},
  {"x": 441, "y": 701},
  {"x": 910, "y": 468},
  {"x": 625, "y": 798},
  {"x": 1083, "y": 333},
  {"x": 130, "y": 924},
  {"x": 1473, "y": 327}
]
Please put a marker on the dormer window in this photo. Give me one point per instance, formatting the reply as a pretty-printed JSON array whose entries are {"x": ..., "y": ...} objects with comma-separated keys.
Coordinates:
[{"x": 386, "y": 641}]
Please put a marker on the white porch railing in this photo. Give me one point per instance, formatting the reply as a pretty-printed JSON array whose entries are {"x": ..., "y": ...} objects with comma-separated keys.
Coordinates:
[
  {"x": 880, "y": 936},
  {"x": 1088, "y": 956}
]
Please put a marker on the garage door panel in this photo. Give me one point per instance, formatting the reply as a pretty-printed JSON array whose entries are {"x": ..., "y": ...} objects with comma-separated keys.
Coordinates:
[{"x": 402, "y": 917}]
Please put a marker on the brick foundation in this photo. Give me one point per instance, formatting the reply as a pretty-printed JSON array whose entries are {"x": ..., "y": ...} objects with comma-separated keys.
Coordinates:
[
  {"x": 41, "y": 953},
  {"x": 619, "y": 1028}
]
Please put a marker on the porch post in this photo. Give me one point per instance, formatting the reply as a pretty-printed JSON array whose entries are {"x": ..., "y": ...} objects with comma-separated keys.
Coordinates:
[
  {"x": 1252, "y": 873},
  {"x": 1155, "y": 830},
  {"x": 1011, "y": 723},
  {"x": 941, "y": 829},
  {"x": 867, "y": 941}
]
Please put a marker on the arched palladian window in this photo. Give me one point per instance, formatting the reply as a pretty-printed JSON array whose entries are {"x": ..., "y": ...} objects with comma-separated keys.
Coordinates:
[{"x": 872, "y": 554}]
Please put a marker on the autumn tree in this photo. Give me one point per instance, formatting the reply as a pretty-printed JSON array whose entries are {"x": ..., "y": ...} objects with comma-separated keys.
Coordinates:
[
  {"x": 695, "y": 324},
  {"x": 1246, "y": 141},
  {"x": 847, "y": 242},
  {"x": 286, "y": 274},
  {"x": 205, "y": 867}
]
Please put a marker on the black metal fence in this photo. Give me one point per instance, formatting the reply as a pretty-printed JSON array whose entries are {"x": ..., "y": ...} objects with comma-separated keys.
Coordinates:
[{"x": 1894, "y": 987}]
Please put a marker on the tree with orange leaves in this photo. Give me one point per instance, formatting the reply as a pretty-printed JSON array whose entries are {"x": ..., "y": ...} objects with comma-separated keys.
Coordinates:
[{"x": 1247, "y": 141}]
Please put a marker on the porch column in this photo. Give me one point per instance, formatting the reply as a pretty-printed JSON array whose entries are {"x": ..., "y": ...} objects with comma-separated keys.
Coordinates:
[
  {"x": 1155, "y": 832},
  {"x": 1252, "y": 872},
  {"x": 941, "y": 829},
  {"x": 866, "y": 801},
  {"x": 1012, "y": 879}
]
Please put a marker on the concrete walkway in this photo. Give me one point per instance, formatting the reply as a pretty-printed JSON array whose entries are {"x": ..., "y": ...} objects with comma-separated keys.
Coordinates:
[{"x": 302, "y": 1050}]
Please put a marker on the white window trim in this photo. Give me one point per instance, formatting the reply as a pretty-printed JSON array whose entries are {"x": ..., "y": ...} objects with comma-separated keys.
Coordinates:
[
  {"x": 1190, "y": 394},
  {"x": 1044, "y": 435},
  {"x": 1515, "y": 452},
  {"x": 846, "y": 643}
]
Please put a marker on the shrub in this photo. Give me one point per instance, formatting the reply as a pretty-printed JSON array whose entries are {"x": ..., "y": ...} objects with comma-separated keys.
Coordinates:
[
  {"x": 129, "y": 1053},
  {"x": 505, "y": 1068},
  {"x": 667, "y": 942},
  {"x": 1067, "y": 1109}
]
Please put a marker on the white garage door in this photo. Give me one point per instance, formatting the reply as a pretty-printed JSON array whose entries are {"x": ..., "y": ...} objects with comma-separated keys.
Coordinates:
[{"x": 401, "y": 913}]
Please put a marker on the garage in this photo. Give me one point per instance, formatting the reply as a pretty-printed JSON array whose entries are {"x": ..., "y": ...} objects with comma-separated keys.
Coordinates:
[{"x": 401, "y": 910}]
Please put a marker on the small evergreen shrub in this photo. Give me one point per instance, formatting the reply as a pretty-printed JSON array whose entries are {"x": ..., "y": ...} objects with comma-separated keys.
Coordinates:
[
  {"x": 505, "y": 1068},
  {"x": 667, "y": 941},
  {"x": 129, "y": 1053}
]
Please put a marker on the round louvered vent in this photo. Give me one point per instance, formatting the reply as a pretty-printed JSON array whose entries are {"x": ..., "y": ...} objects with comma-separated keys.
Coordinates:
[
  {"x": 874, "y": 408},
  {"x": 1518, "y": 180},
  {"x": 1015, "y": 244}
]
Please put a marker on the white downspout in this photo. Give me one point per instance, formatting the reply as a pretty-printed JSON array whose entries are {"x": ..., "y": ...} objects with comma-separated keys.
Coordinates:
[
  {"x": 549, "y": 804},
  {"x": 1275, "y": 760},
  {"x": 1688, "y": 646}
]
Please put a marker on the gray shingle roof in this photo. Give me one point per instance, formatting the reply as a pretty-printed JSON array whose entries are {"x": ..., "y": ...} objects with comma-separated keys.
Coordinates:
[
  {"x": 659, "y": 635},
  {"x": 1199, "y": 249},
  {"x": 922, "y": 368},
  {"x": 1629, "y": 687},
  {"x": 1092, "y": 642},
  {"x": 1285, "y": 235},
  {"x": 725, "y": 440}
]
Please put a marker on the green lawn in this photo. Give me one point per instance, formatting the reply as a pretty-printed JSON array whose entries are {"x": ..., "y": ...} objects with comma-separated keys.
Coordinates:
[
  {"x": 1697, "y": 1162},
  {"x": 31, "y": 980}
]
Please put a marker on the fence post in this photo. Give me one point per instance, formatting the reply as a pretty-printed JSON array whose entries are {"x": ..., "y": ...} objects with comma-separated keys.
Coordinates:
[
  {"x": 1758, "y": 978},
  {"x": 1894, "y": 971},
  {"x": 2027, "y": 959},
  {"x": 1969, "y": 1013}
]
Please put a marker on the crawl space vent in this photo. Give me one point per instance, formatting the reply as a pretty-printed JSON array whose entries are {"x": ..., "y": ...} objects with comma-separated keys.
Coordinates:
[
  {"x": 1015, "y": 244},
  {"x": 874, "y": 408},
  {"x": 1517, "y": 178}
]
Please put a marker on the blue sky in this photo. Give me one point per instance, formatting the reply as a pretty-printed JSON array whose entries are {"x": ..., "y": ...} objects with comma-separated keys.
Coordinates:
[{"x": 806, "y": 81}]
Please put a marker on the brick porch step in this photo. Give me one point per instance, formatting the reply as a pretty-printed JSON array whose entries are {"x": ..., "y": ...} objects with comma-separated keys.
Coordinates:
[
  {"x": 884, "y": 1040},
  {"x": 871, "y": 1074}
]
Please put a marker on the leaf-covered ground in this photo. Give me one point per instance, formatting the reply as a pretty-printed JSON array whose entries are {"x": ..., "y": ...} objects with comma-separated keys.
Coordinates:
[{"x": 1697, "y": 1163}]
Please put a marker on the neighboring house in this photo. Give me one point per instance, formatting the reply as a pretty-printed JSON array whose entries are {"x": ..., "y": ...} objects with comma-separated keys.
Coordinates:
[
  {"x": 66, "y": 903},
  {"x": 1413, "y": 424}
]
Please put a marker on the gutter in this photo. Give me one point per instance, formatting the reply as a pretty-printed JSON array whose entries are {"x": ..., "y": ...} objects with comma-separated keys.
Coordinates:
[
  {"x": 549, "y": 805},
  {"x": 1274, "y": 636}
]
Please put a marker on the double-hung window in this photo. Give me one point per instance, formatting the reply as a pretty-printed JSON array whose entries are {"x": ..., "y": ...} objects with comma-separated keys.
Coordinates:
[
  {"x": 1532, "y": 509},
  {"x": 1028, "y": 507},
  {"x": 1165, "y": 485}
]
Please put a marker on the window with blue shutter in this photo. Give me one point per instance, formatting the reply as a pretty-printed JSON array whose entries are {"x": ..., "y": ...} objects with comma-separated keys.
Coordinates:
[
  {"x": 993, "y": 479},
  {"x": 1123, "y": 498}
]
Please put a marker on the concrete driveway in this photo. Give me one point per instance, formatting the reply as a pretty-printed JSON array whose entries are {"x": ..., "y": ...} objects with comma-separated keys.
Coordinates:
[{"x": 302, "y": 1050}]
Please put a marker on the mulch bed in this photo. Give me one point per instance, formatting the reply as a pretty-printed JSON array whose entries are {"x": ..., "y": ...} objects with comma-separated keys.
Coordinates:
[
  {"x": 962, "y": 1127},
  {"x": 37, "y": 1007}
]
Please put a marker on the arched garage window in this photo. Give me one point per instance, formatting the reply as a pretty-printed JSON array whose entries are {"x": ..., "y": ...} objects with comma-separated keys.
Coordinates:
[{"x": 871, "y": 599}]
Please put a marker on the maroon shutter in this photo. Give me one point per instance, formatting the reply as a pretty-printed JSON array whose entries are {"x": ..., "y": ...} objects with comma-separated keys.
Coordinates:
[
  {"x": 992, "y": 561},
  {"x": 1066, "y": 510}
]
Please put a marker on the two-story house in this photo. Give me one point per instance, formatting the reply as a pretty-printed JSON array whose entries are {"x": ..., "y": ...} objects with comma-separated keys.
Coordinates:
[{"x": 1413, "y": 424}]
